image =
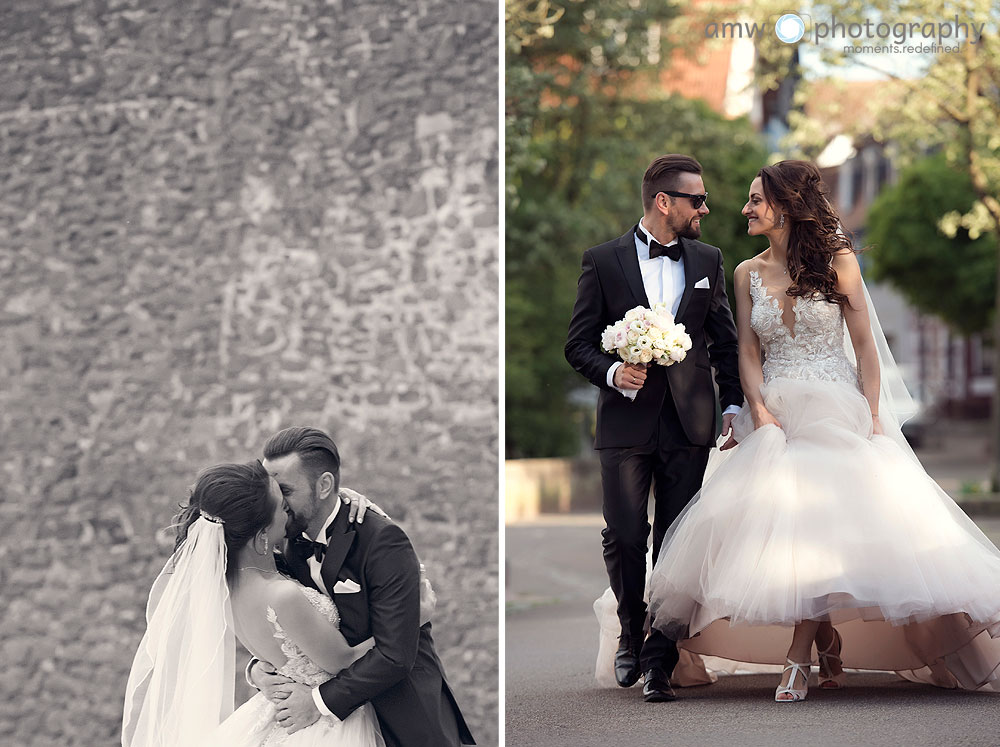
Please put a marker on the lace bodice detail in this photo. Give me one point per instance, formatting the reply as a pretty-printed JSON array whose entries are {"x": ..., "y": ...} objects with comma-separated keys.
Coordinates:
[
  {"x": 298, "y": 666},
  {"x": 813, "y": 350}
]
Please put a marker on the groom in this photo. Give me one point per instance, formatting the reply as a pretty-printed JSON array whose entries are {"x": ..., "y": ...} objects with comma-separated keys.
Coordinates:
[
  {"x": 657, "y": 424},
  {"x": 371, "y": 572}
]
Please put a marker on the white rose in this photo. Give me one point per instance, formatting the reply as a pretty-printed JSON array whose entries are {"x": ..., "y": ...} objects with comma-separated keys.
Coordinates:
[
  {"x": 631, "y": 336},
  {"x": 632, "y": 314},
  {"x": 608, "y": 340},
  {"x": 633, "y": 354},
  {"x": 645, "y": 356},
  {"x": 644, "y": 342},
  {"x": 677, "y": 354}
]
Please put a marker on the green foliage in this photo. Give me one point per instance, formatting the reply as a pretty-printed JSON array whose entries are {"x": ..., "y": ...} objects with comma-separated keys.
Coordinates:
[
  {"x": 954, "y": 278},
  {"x": 584, "y": 119}
]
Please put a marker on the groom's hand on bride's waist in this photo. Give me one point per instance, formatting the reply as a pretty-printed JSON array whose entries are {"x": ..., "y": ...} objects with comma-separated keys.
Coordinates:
[
  {"x": 265, "y": 678},
  {"x": 296, "y": 707},
  {"x": 359, "y": 505},
  {"x": 630, "y": 376}
]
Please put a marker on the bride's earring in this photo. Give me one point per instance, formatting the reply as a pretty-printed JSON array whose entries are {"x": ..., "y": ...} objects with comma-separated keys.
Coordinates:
[
  {"x": 781, "y": 221},
  {"x": 266, "y": 548}
]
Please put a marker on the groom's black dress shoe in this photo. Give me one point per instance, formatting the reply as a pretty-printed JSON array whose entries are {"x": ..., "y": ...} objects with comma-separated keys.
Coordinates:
[
  {"x": 657, "y": 688},
  {"x": 627, "y": 662}
]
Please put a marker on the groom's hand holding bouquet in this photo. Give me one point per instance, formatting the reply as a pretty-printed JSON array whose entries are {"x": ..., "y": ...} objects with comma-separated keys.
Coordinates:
[{"x": 643, "y": 337}]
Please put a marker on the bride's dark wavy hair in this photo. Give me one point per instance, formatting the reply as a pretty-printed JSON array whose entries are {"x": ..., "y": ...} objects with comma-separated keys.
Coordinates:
[
  {"x": 237, "y": 494},
  {"x": 796, "y": 190}
]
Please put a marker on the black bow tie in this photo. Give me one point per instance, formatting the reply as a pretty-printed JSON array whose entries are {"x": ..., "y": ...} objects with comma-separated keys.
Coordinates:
[
  {"x": 306, "y": 547},
  {"x": 656, "y": 249}
]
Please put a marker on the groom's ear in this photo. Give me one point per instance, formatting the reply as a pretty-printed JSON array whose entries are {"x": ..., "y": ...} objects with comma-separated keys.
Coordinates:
[{"x": 326, "y": 485}]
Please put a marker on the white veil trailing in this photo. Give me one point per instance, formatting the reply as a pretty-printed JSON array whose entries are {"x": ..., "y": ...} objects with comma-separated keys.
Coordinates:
[
  {"x": 896, "y": 406},
  {"x": 182, "y": 682}
]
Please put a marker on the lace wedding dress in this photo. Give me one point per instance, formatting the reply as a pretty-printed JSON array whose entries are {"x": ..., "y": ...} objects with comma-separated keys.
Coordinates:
[
  {"x": 253, "y": 724},
  {"x": 821, "y": 519}
]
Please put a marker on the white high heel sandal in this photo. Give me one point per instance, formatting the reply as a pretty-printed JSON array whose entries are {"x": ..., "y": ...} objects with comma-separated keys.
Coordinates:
[
  {"x": 827, "y": 680},
  {"x": 789, "y": 689}
]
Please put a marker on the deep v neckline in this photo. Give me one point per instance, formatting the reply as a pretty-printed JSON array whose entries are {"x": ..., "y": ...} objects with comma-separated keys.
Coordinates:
[{"x": 789, "y": 330}]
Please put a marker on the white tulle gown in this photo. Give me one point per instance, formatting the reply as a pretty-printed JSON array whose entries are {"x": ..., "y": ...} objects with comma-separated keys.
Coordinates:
[
  {"x": 253, "y": 724},
  {"x": 822, "y": 520}
]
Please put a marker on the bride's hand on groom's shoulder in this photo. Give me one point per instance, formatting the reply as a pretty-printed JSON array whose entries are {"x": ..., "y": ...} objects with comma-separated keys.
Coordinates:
[{"x": 359, "y": 505}]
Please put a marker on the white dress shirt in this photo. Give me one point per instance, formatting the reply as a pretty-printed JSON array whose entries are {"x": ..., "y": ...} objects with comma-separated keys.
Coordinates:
[{"x": 316, "y": 566}]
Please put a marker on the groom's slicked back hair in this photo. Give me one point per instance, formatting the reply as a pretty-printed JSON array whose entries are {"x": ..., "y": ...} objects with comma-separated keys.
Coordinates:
[
  {"x": 317, "y": 451},
  {"x": 663, "y": 173}
]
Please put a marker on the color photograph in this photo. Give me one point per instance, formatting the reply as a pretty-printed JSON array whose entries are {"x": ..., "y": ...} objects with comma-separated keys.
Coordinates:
[{"x": 751, "y": 465}]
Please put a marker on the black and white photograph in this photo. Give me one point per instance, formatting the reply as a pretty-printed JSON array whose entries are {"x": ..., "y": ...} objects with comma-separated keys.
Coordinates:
[{"x": 249, "y": 343}]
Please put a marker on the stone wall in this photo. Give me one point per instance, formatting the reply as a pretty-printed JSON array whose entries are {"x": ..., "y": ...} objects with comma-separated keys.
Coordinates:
[{"x": 218, "y": 219}]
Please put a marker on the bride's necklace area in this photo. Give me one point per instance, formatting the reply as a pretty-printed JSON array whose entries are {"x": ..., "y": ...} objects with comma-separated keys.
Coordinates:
[{"x": 784, "y": 267}]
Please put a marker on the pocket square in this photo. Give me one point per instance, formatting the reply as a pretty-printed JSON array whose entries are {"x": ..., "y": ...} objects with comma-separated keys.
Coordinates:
[
  {"x": 346, "y": 587},
  {"x": 703, "y": 283}
]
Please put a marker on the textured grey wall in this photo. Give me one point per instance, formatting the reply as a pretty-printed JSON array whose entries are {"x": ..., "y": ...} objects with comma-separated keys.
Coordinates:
[{"x": 217, "y": 220}]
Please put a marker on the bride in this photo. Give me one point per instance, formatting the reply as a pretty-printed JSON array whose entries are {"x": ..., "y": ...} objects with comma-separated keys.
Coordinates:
[
  {"x": 821, "y": 528},
  {"x": 222, "y": 580}
]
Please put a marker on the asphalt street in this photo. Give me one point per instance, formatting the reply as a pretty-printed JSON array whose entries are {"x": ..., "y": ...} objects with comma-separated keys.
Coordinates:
[{"x": 554, "y": 573}]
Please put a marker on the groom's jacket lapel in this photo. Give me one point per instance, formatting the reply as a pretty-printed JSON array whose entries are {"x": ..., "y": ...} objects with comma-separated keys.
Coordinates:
[{"x": 629, "y": 260}]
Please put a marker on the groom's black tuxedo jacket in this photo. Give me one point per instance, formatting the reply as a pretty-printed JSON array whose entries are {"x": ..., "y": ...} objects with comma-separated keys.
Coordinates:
[
  {"x": 402, "y": 676},
  {"x": 611, "y": 284}
]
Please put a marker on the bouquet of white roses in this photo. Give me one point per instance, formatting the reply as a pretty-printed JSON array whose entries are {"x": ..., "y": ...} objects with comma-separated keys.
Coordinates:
[{"x": 647, "y": 336}]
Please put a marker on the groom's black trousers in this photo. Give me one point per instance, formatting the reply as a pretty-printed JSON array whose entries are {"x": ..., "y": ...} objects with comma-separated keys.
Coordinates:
[{"x": 675, "y": 468}]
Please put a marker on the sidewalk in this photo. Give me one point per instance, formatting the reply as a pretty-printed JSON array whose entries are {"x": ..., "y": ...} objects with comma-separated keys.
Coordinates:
[
  {"x": 554, "y": 573},
  {"x": 956, "y": 454}
]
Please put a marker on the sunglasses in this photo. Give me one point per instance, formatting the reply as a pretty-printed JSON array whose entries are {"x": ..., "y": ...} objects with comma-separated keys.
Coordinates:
[{"x": 696, "y": 200}]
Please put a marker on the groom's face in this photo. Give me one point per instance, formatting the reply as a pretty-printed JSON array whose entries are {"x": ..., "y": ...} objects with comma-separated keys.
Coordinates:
[
  {"x": 683, "y": 219},
  {"x": 299, "y": 498}
]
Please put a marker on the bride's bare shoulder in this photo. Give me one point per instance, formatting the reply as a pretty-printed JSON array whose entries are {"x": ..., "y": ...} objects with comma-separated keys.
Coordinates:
[
  {"x": 743, "y": 269},
  {"x": 846, "y": 261}
]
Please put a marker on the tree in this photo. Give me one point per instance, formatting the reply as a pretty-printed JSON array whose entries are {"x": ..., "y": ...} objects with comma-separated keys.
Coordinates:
[
  {"x": 953, "y": 277},
  {"x": 584, "y": 119}
]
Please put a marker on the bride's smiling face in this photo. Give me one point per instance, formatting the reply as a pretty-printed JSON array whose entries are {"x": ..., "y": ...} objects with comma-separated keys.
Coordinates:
[{"x": 761, "y": 215}]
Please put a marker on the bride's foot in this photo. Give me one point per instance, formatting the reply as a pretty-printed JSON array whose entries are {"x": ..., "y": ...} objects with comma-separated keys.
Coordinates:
[
  {"x": 831, "y": 667},
  {"x": 793, "y": 676}
]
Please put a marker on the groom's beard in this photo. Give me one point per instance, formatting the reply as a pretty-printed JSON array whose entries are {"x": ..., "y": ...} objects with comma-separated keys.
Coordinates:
[
  {"x": 296, "y": 524},
  {"x": 687, "y": 230}
]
